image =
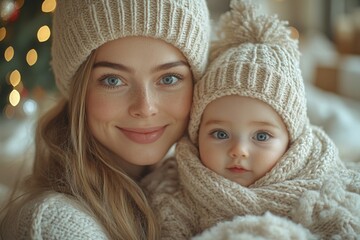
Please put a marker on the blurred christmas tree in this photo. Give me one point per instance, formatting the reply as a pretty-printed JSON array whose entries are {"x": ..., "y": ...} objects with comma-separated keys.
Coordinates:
[{"x": 25, "y": 72}]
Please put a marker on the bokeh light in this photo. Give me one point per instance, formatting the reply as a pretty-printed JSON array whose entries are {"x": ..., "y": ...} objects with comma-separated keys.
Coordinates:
[
  {"x": 19, "y": 3},
  {"x": 30, "y": 107},
  {"x": 15, "y": 78},
  {"x": 9, "y": 53},
  {"x": 19, "y": 87},
  {"x": 31, "y": 57},
  {"x": 48, "y": 6},
  {"x": 294, "y": 33},
  {"x": 2, "y": 33},
  {"x": 9, "y": 111},
  {"x": 43, "y": 33},
  {"x": 14, "y": 98}
]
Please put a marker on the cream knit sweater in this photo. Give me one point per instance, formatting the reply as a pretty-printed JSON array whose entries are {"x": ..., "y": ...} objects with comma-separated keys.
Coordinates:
[
  {"x": 52, "y": 216},
  {"x": 298, "y": 188}
]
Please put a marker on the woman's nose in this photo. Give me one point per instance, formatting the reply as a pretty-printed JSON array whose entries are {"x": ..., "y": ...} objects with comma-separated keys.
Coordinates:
[
  {"x": 239, "y": 150},
  {"x": 144, "y": 104}
]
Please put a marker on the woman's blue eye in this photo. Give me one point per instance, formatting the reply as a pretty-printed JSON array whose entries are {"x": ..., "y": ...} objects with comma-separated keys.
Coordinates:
[
  {"x": 262, "y": 136},
  {"x": 112, "y": 81},
  {"x": 169, "y": 80},
  {"x": 219, "y": 134}
]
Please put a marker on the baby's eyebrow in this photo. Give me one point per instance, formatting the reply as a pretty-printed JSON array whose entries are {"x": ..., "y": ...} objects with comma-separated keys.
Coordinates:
[
  {"x": 169, "y": 65},
  {"x": 214, "y": 121},
  {"x": 262, "y": 123},
  {"x": 256, "y": 123}
]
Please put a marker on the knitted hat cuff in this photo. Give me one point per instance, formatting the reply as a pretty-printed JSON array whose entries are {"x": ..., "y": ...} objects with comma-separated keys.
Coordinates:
[
  {"x": 255, "y": 81},
  {"x": 184, "y": 25}
]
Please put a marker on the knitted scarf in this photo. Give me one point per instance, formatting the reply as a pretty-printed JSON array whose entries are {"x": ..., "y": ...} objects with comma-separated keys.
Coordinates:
[{"x": 303, "y": 168}]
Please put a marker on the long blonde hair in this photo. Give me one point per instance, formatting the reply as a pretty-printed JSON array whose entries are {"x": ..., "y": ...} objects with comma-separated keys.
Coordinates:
[{"x": 69, "y": 160}]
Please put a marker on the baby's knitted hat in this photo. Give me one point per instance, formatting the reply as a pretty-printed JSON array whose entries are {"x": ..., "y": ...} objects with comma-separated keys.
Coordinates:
[
  {"x": 256, "y": 57},
  {"x": 80, "y": 26}
]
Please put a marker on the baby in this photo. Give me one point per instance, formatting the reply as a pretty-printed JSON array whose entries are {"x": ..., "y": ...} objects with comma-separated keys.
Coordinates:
[
  {"x": 252, "y": 149},
  {"x": 241, "y": 138}
]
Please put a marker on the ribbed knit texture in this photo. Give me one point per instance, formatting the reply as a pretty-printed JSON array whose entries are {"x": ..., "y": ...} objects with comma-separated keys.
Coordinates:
[
  {"x": 53, "y": 216},
  {"x": 254, "y": 57},
  {"x": 297, "y": 188},
  {"x": 80, "y": 26}
]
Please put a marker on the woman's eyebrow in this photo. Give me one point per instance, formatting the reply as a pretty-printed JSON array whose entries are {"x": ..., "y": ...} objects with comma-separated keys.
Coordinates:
[
  {"x": 116, "y": 66},
  {"x": 119, "y": 66}
]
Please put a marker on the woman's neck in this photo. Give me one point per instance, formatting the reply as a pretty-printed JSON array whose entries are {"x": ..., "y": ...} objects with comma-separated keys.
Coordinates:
[{"x": 136, "y": 172}]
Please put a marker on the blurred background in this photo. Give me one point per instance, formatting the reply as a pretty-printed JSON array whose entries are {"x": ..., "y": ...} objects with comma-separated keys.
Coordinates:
[{"x": 329, "y": 36}]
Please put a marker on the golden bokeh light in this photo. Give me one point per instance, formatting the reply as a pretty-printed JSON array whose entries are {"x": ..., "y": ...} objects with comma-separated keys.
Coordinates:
[
  {"x": 19, "y": 87},
  {"x": 38, "y": 93},
  {"x": 2, "y": 33},
  {"x": 43, "y": 33},
  {"x": 48, "y": 6},
  {"x": 14, "y": 98},
  {"x": 31, "y": 57},
  {"x": 9, "y": 53},
  {"x": 9, "y": 111},
  {"x": 19, "y": 3},
  {"x": 294, "y": 33},
  {"x": 15, "y": 78}
]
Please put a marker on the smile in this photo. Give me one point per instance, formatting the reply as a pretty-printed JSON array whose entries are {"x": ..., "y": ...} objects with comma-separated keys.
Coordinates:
[{"x": 143, "y": 135}]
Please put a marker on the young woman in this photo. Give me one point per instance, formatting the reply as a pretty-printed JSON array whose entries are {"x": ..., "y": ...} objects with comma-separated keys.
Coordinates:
[{"x": 125, "y": 69}]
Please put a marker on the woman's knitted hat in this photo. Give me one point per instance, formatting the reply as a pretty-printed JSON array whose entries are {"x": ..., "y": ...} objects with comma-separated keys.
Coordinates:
[
  {"x": 256, "y": 57},
  {"x": 80, "y": 26}
]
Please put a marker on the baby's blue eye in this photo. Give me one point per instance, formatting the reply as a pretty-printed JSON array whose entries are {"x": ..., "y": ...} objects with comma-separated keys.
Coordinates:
[
  {"x": 262, "y": 136},
  {"x": 112, "y": 81},
  {"x": 219, "y": 134},
  {"x": 169, "y": 80}
]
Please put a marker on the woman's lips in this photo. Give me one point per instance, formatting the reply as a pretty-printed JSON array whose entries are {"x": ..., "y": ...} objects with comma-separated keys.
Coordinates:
[{"x": 143, "y": 135}]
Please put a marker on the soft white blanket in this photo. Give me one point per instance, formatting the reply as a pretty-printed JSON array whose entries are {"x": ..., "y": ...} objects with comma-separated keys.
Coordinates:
[{"x": 340, "y": 119}]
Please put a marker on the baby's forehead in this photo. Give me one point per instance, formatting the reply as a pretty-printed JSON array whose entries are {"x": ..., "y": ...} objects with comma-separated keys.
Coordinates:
[{"x": 240, "y": 107}]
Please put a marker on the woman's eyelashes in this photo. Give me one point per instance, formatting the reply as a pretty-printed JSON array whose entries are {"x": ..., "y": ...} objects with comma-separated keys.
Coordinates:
[
  {"x": 114, "y": 81},
  {"x": 111, "y": 81}
]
